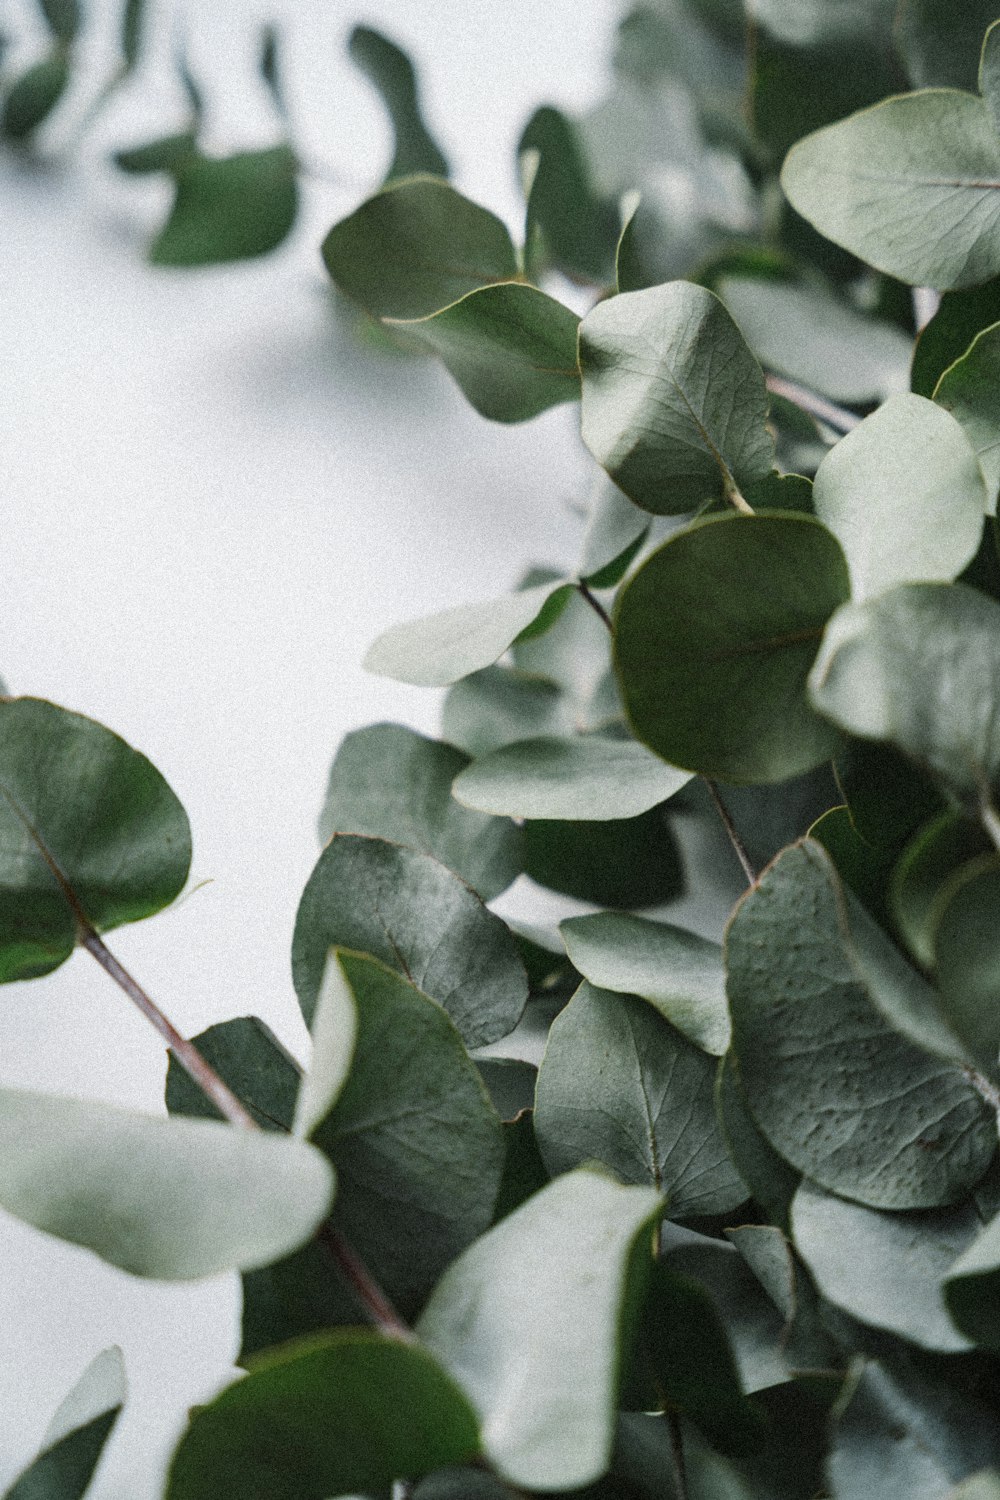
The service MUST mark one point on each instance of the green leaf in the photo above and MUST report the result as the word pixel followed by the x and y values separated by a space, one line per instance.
pixel 972 1285
pixel 511 348
pixel 132 29
pixel 408 911
pixel 524 1171
pixel 989 60
pixel 416 247
pixel 576 653
pixel 674 403
pixel 619 1085
pixel 229 208
pixel 885 1269
pixel 168 154
pixel 808 334
pixel 714 638
pixel 887 796
pixel 530 1321
pixel 390 70
pixel 941 44
pixel 160 1198
pixel 269 68
pixel 442 648
pixel 501 705
pixel 75 1438
pixel 862 868
pixel 337 1414
pixel 631 862
pixel 960 316
pixel 413 1135
pixel 334 1034
pixel 301 1294
pixel 904 496
pixel 767 1175
pixel 918 669
pixel 389 782
pixel 511 1084
pixel 62 18
pixel 86 825
pixel 967 950
pixel 969 389
pixel 836 1088
pixel 909 186
pixel 677 972
pixel 806 1344
pixel 33 96
pixel 921 878
pixel 583 778
pixel 578 229
pixel 616 529
pixel 250 1059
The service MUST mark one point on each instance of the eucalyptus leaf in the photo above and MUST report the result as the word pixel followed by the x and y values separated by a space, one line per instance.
pixel 941 44
pixel 510 347
pixel 989 58
pixel 619 1085
pixel 250 1059
pixel 74 1440
pixel 334 1034
pixel 908 186
pixel 972 1285
pixel 835 1087
pixel 714 638
pixel 921 877
pixel 33 96
pixel 542 1303
pixel 587 777
pixel 969 389
pixel 619 862
pixel 87 826
pixel 391 71
pixel 389 782
pixel 578 229
pixel 768 1177
pixel 408 911
pixel 167 154
pixel 63 19
pixel 159 1198
pixel 967 952
pixel 904 495
pixel 807 1346
pixel 340 1413
pixel 959 317
pixel 229 208
pixel 679 973
pixel 501 705
pixel 132 33
pixel 674 403
pixel 445 647
pixel 417 247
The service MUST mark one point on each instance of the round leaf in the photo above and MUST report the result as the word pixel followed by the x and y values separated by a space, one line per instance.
pixel 586 778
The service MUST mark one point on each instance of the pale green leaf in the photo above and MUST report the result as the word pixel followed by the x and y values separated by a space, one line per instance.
pixel 586 777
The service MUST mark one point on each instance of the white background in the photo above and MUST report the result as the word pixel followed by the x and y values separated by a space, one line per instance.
pixel 212 499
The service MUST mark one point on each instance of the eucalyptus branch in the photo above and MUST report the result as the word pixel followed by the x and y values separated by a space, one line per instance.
pixel 986 1090
pixel 817 406
pixel 595 604
pixel 730 827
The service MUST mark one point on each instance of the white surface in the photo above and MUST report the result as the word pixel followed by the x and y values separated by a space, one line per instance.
pixel 213 499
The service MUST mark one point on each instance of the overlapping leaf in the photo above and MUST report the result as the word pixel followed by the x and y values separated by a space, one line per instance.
pixel 74 1440
pixel 587 777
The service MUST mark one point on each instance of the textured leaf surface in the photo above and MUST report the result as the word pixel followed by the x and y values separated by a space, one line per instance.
pixel 588 777
pixel 229 208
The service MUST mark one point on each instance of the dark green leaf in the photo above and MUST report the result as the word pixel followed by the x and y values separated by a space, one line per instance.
pixel 714 638
pixel 337 1414
pixel 86 825
pixel 972 1285
pixel 408 911
pixel 674 403
pixel 767 1175
pixel 301 1294
pixel 250 1059
pixel 531 1321
pixel 390 70
pixel 633 862
pixel 132 38
pixel 63 19
pixel 524 1171
pixel 887 796
pixel 501 705
pixel 229 208
pixel 940 44
pixel 840 1092
pixel 583 778
pixel 619 1085
pixel 389 782
pixel 960 316
pixel 863 868
pixel 920 878
pixel 511 1084
pixel 75 1438
pixel 32 97
pixel 169 154
pixel 416 247
pixel 967 950
pixel 578 229
pixel 970 390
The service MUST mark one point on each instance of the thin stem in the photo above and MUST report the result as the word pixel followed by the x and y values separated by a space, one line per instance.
pixel 730 827
pixel 735 498
pixel 190 1059
pixel 991 823
pixel 595 605
pixel 376 1303
pixel 817 406
pixel 983 1087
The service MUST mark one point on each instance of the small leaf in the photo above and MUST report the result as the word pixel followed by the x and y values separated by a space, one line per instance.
pixel 443 648
pixel 160 1198
pixel 390 70
pixel 337 1414
pixel 33 96
pixel 583 778
pixel 838 1090
pixel 909 186
pixel 408 911
pixel 416 247
pixel 886 1269
pixel 677 972
pixel 960 316
pixel 941 46
pixel 389 782
pixel 75 1438
pixel 714 638
pixel 918 669
pixel 511 348
pixel 904 496
pixel 969 389
pixel 674 403
pixel 619 1085
pixel 99 833
pixel 539 1305
pixel 229 208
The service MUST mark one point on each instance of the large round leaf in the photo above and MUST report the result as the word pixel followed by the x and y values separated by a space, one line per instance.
pixel 87 826
pixel 714 638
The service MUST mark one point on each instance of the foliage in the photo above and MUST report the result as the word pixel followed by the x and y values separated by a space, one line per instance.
pixel 735 1232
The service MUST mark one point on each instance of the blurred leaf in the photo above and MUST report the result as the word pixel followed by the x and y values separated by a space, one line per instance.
pixel 334 1033
pixel 887 796
pixel 501 705
pixel 511 349
pixel 389 782
pixel 629 862
pixel 970 389
pixel 416 247
pixel 674 404
pixel 678 973
pixel 940 44
pixel 336 1414
pixel 921 877
pixel 620 1086
pixel 229 208
pixel 63 19
pixel 579 778
pixel 99 833
pixel 616 530
pixel 967 950
pixel 33 96
pixel 960 316
pixel 75 1438
pixel 543 1304
pixel 714 638
pixel 132 33
pixel 269 68
pixel 390 70
pixel 168 154
pixel 904 495
pixel 578 229
pixel 411 913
